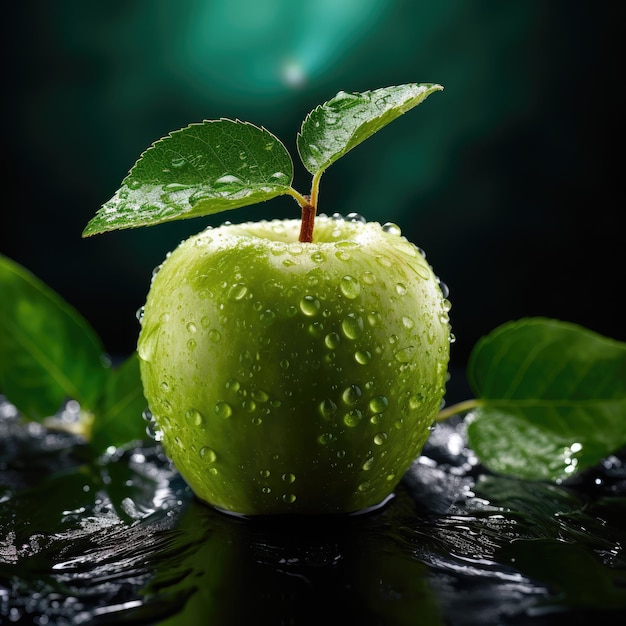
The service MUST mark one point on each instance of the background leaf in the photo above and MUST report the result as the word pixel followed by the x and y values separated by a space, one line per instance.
pixel 337 126
pixel 199 170
pixel 118 418
pixel 553 398
pixel 48 352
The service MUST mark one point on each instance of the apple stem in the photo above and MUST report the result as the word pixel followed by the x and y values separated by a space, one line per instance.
pixel 308 221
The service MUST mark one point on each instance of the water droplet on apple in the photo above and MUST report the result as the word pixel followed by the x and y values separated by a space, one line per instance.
pixel 379 404
pixel 233 385
pixel 208 454
pixel 352 326
pixel 349 287
pixel 373 318
pixel 191 344
pixel 265 473
pixel 327 408
pixel 362 357
pixel 401 289
pixel 316 329
pixel 193 416
pixel 284 364
pixel 214 335
pixel 140 313
pixel 237 291
pixel 356 217
pixel 310 305
pixel 352 418
pixel 318 256
pixel 332 340
pixel 408 322
pixel 392 229
pixel 267 317
pixel 191 327
pixel 379 438
pixel 367 465
pixel 288 477
pixel 325 438
pixel 404 355
pixel 368 278
pixel 289 498
pixel 223 410
pixel 351 395
pixel 259 395
pixel 364 486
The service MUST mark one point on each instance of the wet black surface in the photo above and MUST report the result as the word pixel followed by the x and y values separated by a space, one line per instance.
pixel 120 539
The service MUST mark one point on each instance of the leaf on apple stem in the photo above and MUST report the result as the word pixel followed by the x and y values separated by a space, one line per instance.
pixel 552 398
pixel 199 170
pixel 48 352
pixel 337 126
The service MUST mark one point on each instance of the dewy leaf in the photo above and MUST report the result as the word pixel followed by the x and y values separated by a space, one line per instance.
pixel 552 396
pixel 118 418
pixel 199 170
pixel 48 352
pixel 337 126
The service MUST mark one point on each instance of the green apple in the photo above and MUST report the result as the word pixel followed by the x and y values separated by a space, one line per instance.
pixel 291 377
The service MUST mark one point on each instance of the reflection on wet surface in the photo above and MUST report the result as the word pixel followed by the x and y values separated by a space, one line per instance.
pixel 120 539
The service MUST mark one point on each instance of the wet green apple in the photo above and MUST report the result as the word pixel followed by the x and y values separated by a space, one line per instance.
pixel 289 377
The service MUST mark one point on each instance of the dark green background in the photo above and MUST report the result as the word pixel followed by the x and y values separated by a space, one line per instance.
pixel 507 179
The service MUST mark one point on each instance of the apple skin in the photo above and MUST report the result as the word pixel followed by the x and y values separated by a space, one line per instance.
pixel 288 377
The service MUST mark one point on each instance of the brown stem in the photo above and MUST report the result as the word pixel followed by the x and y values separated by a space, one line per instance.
pixel 308 221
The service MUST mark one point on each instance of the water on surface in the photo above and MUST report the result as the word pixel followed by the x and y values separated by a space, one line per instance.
pixel 121 540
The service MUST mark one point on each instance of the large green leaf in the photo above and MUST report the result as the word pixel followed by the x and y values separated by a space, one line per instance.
pixel 48 352
pixel 199 170
pixel 552 398
pixel 118 419
pixel 337 126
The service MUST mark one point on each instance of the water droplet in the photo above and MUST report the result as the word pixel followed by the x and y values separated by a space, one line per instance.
pixel 310 305
pixel 284 364
pixel 415 402
pixel 362 357
pixel 392 229
pixel 140 313
pixel 316 329
pixel 401 289
pixel 368 463
pixel 332 341
pixel 383 261
pixel 404 355
pixel 178 163
pixel 233 385
pixel 267 318
pixel 227 180
pixel 191 345
pixel 379 438
pixel 349 287
pixel 325 438
pixel 351 395
pixel 352 326
pixel 355 217
pixel 365 486
pixel 289 498
pixel 368 278
pixel 318 256
pixel 379 404
pixel 327 408
pixel 344 100
pixel 237 291
pixel 408 322
pixel 265 473
pixel 205 321
pixel 249 406
pixel 288 477
pixel 215 335
pixel 223 410
pixel 191 327
pixel 259 395
pixel 352 418
pixel 208 454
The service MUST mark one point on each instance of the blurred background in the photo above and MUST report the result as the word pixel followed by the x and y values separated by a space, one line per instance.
pixel 507 179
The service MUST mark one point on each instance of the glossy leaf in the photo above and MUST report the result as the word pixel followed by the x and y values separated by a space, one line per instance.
pixel 199 170
pixel 48 352
pixel 552 396
pixel 118 418
pixel 337 126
